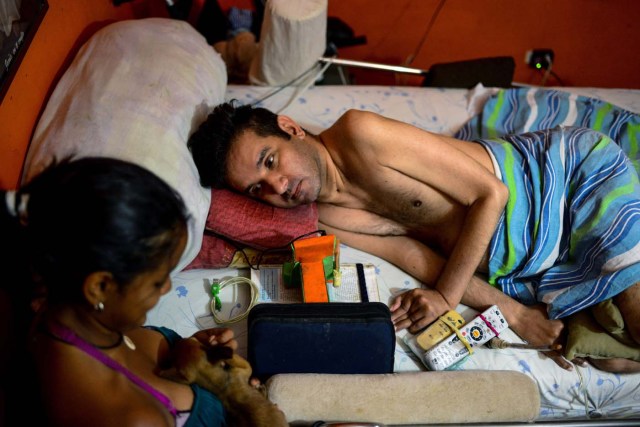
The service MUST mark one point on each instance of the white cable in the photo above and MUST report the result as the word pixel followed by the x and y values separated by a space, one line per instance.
pixel 280 88
pixel 298 92
pixel 232 281
pixel 432 21
pixel 585 393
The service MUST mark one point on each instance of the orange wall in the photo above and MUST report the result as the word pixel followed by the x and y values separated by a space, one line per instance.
pixel 65 26
pixel 595 41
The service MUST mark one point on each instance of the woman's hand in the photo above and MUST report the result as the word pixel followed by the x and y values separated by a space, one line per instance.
pixel 217 336
pixel 416 309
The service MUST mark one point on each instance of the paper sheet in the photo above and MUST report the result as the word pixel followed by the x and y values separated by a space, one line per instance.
pixel 272 289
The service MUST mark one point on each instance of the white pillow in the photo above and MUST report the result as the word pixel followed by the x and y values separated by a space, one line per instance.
pixel 135 91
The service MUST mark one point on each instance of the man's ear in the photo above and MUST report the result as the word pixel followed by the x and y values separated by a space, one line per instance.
pixel 97 286
pixel 290 126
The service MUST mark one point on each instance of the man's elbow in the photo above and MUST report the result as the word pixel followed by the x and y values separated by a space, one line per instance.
pixel 500 193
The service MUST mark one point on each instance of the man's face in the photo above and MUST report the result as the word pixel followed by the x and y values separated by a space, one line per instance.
pixel 283 173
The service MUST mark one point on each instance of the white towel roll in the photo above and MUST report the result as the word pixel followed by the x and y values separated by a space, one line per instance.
pixel 292 38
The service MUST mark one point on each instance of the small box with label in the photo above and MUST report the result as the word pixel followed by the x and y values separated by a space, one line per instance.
pixel 460 344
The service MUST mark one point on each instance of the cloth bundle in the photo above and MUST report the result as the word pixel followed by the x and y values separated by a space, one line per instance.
pixel 292 38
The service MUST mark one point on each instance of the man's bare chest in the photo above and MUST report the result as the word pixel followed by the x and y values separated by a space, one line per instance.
pixel 410 203
pixel 397 207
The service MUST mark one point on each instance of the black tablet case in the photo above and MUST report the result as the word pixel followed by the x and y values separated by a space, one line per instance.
pixel 333 338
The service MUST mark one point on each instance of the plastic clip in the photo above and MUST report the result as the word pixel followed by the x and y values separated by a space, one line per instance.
pixel 215 290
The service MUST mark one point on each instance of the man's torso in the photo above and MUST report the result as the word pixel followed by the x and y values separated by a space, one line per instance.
pixel 381 200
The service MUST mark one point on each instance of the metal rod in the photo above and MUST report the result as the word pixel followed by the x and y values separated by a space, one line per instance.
pixel 374 65
pixel 496 342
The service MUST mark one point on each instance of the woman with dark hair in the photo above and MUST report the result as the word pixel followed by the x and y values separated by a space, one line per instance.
pixel 87 250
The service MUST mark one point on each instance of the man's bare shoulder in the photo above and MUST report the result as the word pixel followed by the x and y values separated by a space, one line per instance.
pixel 356 127
pixel 358 120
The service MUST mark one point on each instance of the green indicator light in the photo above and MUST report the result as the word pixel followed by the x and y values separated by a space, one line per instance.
pixel 538 65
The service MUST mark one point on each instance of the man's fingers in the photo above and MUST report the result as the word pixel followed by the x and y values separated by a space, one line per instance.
pixel 400 308
pixel 559 360
pixel 580 361
pixel 410 311
pixel 418 325
pixel 398 315
pixel 404 324
pixel 395 304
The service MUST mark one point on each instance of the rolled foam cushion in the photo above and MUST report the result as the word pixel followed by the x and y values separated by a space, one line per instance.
pixel 135 91
pixel 447 397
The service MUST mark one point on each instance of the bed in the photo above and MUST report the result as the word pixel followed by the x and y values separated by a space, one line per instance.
pixel 166 113
pixel 584 394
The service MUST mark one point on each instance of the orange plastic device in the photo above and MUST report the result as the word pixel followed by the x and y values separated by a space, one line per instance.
pixel 319 259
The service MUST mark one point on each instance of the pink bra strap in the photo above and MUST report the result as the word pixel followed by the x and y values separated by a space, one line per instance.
pixel 70 337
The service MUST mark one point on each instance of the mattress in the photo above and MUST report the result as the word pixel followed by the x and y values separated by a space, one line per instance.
pixel 582 394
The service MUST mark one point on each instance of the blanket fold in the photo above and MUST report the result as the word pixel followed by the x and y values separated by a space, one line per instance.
pixel 569 234
pixel 521 110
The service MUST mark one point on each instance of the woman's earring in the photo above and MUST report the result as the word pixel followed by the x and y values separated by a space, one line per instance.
pixel 99 306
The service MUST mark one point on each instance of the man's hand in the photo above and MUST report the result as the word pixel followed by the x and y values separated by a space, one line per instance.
pixel 556 356
pixel 417 308
pixel 533 325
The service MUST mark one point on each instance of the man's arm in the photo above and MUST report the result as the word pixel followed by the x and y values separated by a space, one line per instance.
pixel 442 172
pixel 409 255
pixel 412 310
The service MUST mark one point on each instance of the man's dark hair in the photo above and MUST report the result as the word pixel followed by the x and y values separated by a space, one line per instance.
pixel 210 144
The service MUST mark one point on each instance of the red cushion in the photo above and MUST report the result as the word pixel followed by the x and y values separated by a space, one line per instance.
pixel 250 223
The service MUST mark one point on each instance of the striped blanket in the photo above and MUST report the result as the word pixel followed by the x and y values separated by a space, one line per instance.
pixel 529 109
pixel 570 233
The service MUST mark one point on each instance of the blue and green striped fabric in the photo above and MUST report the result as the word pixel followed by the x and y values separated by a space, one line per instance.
pixel 570 234
pixel 529 109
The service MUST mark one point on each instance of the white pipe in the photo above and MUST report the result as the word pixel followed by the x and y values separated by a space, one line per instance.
pixel 363 64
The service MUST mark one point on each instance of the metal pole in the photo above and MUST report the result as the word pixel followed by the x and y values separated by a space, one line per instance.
pixel 363 64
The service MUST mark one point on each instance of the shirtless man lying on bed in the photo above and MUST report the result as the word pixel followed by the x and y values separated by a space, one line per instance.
pixel 450 212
